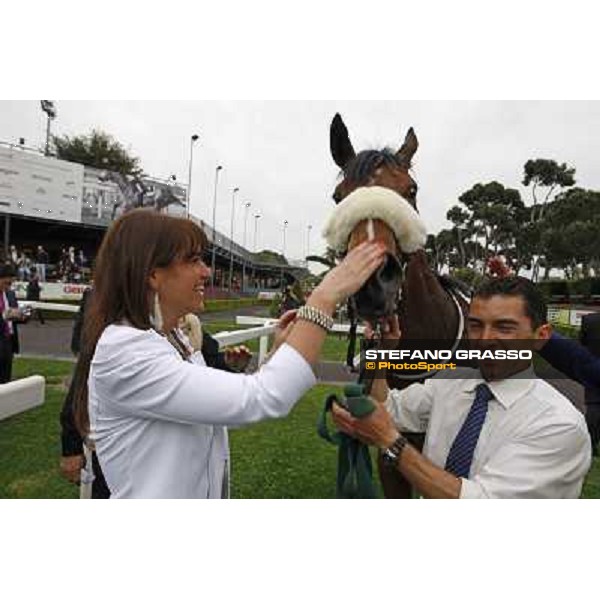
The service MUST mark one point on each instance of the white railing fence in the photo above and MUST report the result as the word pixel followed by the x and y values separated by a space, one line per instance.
pixel 264 327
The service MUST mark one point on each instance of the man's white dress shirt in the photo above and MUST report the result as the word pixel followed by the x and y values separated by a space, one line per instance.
pixel 534 443
pixel 159 422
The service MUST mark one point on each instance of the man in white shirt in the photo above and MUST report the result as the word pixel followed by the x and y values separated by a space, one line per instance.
pixel 493 432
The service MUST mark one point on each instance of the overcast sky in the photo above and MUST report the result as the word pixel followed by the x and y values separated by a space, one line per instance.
pixel 277 152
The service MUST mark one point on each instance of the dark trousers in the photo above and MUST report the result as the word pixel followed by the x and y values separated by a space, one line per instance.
pixel 100 490
pixel 6 359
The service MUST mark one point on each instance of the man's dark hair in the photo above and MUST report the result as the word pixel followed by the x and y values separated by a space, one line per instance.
pixel 535 305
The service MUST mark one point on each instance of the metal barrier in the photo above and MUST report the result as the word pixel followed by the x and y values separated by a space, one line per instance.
pixel 265 327
pixel 269 326
pixel 72 308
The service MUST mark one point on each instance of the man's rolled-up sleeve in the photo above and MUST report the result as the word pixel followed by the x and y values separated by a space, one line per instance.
pixel 410 408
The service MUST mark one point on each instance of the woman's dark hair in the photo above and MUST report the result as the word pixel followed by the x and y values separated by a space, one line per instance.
pixel 135 245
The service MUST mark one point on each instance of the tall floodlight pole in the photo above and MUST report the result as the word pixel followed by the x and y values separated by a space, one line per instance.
pixel 214 225
pixel 256 218
pixel 235 191
pixel 247 205
pixel 50 109
pixel 285 224
pixel 193 139
pixel 308 228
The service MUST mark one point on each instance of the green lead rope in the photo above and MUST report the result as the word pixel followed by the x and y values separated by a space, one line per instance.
pixel 355 471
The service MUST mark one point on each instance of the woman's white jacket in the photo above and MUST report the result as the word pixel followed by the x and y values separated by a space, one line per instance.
pixel 159 422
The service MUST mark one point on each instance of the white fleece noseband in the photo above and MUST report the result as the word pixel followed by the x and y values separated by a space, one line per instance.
pixel 375 202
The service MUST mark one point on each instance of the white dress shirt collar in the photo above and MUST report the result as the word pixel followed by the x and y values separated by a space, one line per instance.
pixel 507 391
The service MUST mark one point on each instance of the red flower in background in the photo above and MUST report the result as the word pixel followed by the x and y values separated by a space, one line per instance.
pixel 497 267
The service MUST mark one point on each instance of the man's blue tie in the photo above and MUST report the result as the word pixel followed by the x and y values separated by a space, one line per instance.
pixel 461 452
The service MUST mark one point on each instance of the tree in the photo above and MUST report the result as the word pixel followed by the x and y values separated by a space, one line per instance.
pixel 459 218
pixel 269 256
pixel 494 215
pixel 441 249
pixel 99 150
pixel 329 259
pixel 569 231
pixel 544 173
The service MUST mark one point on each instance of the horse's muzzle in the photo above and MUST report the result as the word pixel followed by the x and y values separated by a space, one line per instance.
pixel 378 298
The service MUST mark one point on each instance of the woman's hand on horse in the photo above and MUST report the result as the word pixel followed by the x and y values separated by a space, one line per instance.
pixel 351 274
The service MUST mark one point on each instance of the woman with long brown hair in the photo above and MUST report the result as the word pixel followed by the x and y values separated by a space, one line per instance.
pixel 156 414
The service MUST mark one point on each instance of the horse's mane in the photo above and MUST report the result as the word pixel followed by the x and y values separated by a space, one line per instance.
pixel 452 284
pixel 365 163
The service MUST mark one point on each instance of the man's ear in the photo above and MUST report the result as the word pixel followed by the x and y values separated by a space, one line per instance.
pixel 544 332
pixel 541 335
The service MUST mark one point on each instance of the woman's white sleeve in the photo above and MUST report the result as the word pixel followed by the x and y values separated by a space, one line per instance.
pixel 158 384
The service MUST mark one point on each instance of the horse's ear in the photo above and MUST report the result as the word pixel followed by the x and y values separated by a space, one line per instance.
pixel 339 142
pixel 411 143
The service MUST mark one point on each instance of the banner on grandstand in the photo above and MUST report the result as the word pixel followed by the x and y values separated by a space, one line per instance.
pixel 52 290
pixel 102 199
pixel 106 196
pixel 33 185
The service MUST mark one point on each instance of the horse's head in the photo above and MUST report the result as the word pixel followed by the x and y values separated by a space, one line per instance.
pixel 376 200
pixel 384 168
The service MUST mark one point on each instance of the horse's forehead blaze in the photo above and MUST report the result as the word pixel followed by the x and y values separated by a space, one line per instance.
pixel 398 180
pixel 382 233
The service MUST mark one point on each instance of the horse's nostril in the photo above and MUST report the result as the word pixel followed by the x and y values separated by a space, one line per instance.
pixel 390 269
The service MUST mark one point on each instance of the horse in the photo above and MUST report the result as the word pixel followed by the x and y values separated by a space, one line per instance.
pixel 137 193
pixel 166 196
pixel 429 306
pixel 132 191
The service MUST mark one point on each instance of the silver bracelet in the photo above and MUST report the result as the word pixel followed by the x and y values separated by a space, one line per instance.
pixel 315 315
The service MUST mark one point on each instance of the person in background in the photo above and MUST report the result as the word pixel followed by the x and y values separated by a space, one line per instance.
pixel 589 336
pixel 292 299
pixel 72 457
pixel 33 293
pixel 41 260
pixel 24 266
pixel 10 316
pixel 581 362
pixel 13 256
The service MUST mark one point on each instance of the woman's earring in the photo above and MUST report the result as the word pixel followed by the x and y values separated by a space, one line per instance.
pixel 156 318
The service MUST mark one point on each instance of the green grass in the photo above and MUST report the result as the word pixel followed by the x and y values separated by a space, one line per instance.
pixel 275 459
pixel 285 458
pixel 233 304
pixel 591 488
pixel 54 371
pixel 30 442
